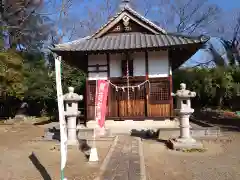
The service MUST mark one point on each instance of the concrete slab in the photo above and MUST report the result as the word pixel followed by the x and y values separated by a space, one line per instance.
pixel 125 127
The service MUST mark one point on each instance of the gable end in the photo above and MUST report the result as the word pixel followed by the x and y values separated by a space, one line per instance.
pixel 131 27
pixel 128 14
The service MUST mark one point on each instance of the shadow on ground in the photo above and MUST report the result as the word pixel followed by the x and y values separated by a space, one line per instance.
pixel 45 122
pixel 42 170
pixel 84 147
pixel 149 135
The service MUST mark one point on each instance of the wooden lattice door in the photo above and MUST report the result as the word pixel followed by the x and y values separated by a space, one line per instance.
pixel 159 98
pixel 134 105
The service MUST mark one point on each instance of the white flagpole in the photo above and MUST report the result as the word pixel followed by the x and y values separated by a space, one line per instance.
pixel 62 122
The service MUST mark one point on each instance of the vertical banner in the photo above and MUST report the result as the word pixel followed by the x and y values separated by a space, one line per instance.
pixel 62 122
pixel 101 102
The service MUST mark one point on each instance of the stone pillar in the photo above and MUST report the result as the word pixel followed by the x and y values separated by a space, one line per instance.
pixel 71 100
pixel 72 130
pixel 184 111
pixel 184 128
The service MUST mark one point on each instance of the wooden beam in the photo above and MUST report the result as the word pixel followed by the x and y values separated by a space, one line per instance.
pixel 98 65
pixel 95 71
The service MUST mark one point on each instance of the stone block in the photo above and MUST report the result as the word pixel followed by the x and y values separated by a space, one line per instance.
pixel 197 132
pixel 212 132
pixel 176 145
pixel 85 133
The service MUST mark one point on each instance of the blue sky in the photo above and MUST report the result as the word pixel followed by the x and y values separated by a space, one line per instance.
pixel 227 4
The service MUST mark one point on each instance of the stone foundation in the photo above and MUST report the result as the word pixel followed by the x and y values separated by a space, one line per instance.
pixel 118 127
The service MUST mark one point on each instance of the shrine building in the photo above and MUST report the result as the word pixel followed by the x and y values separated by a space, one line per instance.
pixel 137 57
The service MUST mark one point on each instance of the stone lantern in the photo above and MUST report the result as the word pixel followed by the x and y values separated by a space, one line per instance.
pixel 71 100
pixel 184 111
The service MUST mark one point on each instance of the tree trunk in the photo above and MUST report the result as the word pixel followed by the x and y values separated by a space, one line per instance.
pixel 219 96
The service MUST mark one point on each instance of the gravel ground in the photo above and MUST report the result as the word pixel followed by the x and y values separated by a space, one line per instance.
pixel 220 162
pixel 24 159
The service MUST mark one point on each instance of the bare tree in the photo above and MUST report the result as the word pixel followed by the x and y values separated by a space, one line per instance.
pixel 233 46
pixel 188 16
pixel 226 51
pixel 64 18
pixel 96 14
pixel 179 16
pixel 22 23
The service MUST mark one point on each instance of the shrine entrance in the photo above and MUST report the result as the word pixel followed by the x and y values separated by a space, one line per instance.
pixel 129 102
pixel 143 99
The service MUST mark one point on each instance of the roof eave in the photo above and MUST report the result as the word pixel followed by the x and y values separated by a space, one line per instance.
pixel 131 49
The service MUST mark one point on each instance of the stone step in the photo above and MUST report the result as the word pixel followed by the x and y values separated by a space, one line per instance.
pixel 88 134
pixel 195 132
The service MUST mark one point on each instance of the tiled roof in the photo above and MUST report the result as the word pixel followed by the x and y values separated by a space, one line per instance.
pixel 128 41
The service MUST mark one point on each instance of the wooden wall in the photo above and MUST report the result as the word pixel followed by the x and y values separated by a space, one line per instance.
pixel 151 101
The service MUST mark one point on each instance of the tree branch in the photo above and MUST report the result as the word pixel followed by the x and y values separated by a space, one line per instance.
pixel 184 20
pixel 200 20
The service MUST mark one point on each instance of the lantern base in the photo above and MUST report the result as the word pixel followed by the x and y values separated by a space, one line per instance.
pixel 185 144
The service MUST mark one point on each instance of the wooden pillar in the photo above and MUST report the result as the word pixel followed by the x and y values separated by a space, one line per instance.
pixel 170 86
pixel 147 78
pixel 109 90
pixel 86 94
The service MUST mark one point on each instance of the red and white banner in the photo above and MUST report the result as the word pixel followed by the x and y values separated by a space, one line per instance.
pixel 101 102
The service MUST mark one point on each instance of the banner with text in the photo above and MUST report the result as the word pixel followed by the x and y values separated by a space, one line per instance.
pixel 101 102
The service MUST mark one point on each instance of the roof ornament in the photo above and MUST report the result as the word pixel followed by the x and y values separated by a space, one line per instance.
pixel 124 4
pixel 126 21
pixel 204 38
